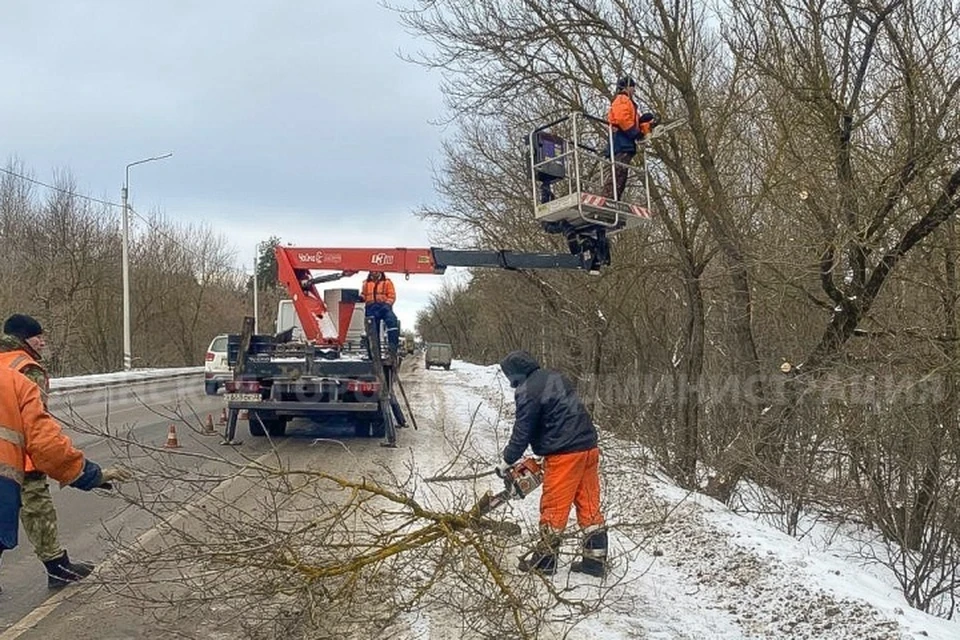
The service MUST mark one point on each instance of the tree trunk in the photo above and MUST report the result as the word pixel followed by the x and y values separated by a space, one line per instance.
pixel 687 443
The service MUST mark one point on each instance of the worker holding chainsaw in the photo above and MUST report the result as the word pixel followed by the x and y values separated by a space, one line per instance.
pixel 552 420
pixel 628 126
pixel 379 295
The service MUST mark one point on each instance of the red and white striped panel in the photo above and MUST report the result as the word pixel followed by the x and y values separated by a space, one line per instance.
pixel 600 201
pixel 592 200
pixel 640 212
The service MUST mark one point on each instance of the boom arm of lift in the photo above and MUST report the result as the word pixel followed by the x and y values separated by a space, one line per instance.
pixel 295 264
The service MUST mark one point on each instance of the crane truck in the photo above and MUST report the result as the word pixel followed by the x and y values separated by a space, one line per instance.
pixel 337 369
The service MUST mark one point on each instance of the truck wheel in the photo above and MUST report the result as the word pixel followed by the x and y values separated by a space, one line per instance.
pixel 276 427
pixel 364 428
pixel 256 429
pixel 361 428
pixel 379 428
pixel 211 387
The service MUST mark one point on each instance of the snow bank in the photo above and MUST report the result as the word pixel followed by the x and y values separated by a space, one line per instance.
pixel 684 565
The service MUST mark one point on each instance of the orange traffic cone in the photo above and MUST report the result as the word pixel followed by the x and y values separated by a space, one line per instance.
pixel 172 442
pixel 223 416
pixel 208 429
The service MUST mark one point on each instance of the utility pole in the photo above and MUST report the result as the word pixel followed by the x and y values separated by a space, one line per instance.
pixel 256 293
pixel 125 258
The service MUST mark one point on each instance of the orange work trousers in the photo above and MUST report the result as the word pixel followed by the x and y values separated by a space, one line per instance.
pixel 571 479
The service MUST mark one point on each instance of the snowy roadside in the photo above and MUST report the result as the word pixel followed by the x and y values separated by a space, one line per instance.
pixel 685 565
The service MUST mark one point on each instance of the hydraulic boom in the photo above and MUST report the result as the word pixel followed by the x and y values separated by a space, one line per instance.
pixel 294 266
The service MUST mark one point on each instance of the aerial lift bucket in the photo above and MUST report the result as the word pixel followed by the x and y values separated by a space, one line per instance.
pixel 574 178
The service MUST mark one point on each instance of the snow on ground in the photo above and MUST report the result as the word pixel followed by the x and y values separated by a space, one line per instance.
pixel 684 565
pixel 119 377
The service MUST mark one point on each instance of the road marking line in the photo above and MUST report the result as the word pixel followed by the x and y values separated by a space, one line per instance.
pixel 35 617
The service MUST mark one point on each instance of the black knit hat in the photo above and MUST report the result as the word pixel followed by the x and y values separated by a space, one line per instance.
pixel 624 82
pixel 22 326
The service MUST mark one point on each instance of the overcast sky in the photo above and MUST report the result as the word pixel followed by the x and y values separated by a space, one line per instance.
pixel 288 118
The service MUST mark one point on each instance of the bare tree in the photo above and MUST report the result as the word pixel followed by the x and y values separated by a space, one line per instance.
pixel 61 263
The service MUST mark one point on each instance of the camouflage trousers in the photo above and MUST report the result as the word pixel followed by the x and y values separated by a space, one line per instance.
pixel 39 518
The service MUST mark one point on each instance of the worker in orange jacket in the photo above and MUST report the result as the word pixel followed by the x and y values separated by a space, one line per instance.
pixel 628 126
pixel 21 348
pixel 379 295
pixel 27 429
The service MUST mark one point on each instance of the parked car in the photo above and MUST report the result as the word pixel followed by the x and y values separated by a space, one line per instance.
pixel 438 354
pixel 215 368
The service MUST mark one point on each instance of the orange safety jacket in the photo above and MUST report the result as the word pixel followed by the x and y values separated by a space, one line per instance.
pixel 25 426
pixel 379 291
pixel 20 361
pixel 627 124
pixel 623 113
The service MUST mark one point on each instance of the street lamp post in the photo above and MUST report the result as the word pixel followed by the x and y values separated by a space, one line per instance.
pixel 125 258
pixel 256 288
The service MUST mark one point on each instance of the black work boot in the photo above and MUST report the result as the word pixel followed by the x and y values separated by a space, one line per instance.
pixel 537 561
pixel 543 557
pixel 594 560
pixel 61 572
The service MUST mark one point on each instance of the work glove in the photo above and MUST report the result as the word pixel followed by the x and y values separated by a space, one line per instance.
pixel 113 474
pixel 502 468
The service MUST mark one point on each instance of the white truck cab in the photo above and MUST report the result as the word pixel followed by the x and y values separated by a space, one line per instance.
pixel 287 317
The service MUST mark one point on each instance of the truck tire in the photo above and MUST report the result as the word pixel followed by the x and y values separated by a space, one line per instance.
pixel 276 427
pixel 366 427
pixel 211 387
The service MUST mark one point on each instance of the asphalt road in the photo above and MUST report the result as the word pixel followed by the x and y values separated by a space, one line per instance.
pixel 144 413
pixel 88 521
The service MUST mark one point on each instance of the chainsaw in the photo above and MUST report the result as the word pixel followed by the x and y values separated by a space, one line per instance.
pixel 665 127
pixel 520 480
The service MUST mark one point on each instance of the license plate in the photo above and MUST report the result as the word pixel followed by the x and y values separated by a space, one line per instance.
pixel 242 397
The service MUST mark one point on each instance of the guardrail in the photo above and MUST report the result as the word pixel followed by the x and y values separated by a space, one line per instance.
pixel 62 386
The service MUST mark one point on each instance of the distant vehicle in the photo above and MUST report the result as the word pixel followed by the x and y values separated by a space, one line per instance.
pixel 438 354
pixel 409 345
pixel 215 368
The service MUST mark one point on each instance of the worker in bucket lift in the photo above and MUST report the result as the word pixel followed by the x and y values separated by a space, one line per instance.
pixel 552 420
pixel 628 127
pixel 379 295
pixel 26 429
